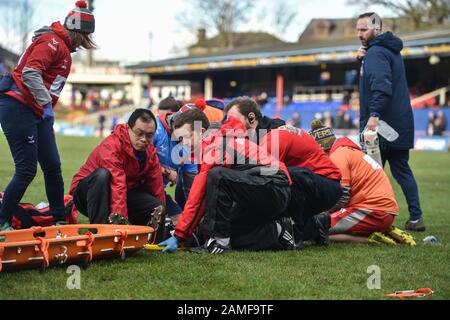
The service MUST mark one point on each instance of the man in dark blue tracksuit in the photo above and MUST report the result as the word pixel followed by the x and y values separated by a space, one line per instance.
pixel 384 95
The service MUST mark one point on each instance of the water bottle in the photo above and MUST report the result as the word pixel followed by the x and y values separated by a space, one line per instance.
pixel 430 240
pixel 372 145
pixel 386 131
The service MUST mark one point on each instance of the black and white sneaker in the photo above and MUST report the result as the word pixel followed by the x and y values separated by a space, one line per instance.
pixel 286 237
pixel 417 225
pixel 211 246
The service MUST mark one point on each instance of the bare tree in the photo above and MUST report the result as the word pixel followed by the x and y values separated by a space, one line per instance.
pixel 16 22
pixel 26 13
pixel 283 16
pixel 221 16
pixel 419 11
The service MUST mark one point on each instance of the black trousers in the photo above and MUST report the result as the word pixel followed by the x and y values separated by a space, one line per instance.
pixel 244 208
pixel 92 199
pixel 398 161
pixel 311 195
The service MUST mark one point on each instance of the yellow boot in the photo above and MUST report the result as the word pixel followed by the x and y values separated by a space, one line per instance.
pixel 380 238
pixel 400 236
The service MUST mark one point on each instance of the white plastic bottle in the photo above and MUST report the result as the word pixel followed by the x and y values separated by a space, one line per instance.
pixel 386 131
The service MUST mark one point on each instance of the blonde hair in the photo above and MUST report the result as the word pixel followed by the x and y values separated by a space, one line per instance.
pixel 82 40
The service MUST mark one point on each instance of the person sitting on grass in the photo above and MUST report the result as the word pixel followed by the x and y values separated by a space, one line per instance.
pixel 367 209
pixel 176 170
pixel 121 181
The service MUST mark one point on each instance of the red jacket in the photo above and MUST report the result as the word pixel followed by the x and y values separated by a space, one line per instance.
pixel 49 54
pixel 237 146
pixel 116 154
pixel 296 148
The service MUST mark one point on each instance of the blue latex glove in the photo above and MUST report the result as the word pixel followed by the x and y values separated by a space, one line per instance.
pixel 48 112
pixel 171 244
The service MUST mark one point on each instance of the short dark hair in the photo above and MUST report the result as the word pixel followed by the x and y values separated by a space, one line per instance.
pixel 143 114
pixel 170 103
pixel 370 14
pixel 189 117
pixel 245 106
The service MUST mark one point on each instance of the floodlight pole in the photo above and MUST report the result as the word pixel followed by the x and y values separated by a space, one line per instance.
pixel 90 53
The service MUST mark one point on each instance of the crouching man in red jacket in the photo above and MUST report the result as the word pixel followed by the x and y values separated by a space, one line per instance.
pixel 240 194
pixel 315 178
pixel 121 181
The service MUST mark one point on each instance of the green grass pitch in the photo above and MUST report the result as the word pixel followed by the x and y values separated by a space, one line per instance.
pixel 336 272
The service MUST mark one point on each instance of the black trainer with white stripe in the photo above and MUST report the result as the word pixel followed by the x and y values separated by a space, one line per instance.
pixel 211 246
pixel 286 238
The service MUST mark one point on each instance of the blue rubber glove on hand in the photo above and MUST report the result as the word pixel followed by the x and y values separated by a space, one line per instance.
pixel 48 112
pixel 171 244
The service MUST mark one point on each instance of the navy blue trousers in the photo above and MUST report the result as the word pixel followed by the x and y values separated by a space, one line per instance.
pixel 31 140
pixel 398 162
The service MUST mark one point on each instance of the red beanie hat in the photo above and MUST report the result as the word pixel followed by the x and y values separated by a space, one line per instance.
pixel 80 19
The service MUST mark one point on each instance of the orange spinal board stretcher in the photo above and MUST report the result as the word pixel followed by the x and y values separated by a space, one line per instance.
pixel 41 247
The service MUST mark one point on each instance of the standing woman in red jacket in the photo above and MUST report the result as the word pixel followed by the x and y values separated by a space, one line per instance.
pixel 27 99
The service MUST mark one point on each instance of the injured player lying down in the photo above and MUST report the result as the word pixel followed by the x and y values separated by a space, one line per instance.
pixel 368 206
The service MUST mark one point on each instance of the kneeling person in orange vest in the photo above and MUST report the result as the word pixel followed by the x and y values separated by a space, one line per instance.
pixel 368 206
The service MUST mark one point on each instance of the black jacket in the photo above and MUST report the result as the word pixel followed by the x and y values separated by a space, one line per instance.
pixel 384 90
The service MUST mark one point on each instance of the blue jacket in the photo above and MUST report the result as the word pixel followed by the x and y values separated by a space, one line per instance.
pixel 384 90
pixel 170 152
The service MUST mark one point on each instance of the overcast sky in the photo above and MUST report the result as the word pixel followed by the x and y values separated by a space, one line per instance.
pixel 123 27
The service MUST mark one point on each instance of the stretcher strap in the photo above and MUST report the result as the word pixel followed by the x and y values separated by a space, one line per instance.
pixel 89 243
pixel 123 237
pixel 43 248
pixel 2 249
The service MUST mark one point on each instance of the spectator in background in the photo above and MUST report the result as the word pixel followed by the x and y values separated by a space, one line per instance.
pixel 169 104
pixel 328 119
pixel 286 100
pixel 354 101
pixel 150 103
pixel 440 124
pixel 348 122
pixel 114 122
pixel 101 122
pixel 430 124
pixel 295 120
pixel 340 119
pixel 347 97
